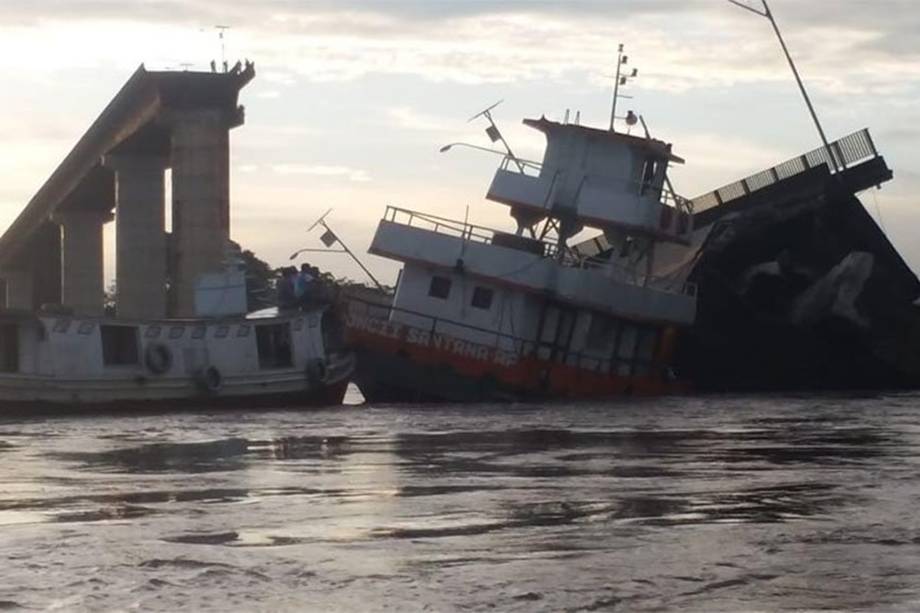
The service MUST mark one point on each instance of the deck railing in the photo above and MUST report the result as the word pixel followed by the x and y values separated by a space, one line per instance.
pixel 492 341
pixel 571 257
pixel 847 152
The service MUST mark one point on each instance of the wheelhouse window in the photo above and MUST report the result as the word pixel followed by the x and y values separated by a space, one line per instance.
pixel 482 298
pixel 649 173
pixel 601 333
pixel 119 345
pixel 645 350
pixel 273 342
pixel 439 288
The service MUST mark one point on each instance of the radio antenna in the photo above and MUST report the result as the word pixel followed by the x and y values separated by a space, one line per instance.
pixel 223 50
pixel 495 134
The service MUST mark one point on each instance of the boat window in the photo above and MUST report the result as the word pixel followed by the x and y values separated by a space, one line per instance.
pixel 628 338
pixel 176 332
pixel 119 345
pixel 152 332
pixel 199 332
pixel 9 348
pixel 601 333
pixel 482 298
pixel 647 343
pixel 649 172
pixel 222 332
pixel 274 345
pixel 645 352
pixel 626 350
pixel 440 287
pixel 86 327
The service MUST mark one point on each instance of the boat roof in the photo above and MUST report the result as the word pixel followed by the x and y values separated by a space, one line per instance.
pixel 652 145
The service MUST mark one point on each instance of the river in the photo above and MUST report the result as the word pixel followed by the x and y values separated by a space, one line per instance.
pixel 705 503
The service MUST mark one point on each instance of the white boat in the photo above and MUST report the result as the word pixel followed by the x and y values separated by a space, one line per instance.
pixel 481 313
pixel 269 358
pixel 178 331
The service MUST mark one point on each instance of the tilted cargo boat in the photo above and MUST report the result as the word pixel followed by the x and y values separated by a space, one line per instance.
pixel 483 314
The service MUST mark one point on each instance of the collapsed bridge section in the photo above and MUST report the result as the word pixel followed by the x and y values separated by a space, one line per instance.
pixel 53 251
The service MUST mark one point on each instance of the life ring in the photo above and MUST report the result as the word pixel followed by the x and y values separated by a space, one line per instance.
pixel 158 358
pixel 315 371
pixel 210 380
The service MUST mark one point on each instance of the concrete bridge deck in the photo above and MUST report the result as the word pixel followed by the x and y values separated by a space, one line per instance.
pixel 52 252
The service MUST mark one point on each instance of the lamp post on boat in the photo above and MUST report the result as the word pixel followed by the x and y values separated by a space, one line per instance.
pixel 521 162
pixel 766 12
pixel 450 146
pixel 329 238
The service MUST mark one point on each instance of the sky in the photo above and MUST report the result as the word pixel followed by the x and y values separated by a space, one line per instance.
pixel 354 98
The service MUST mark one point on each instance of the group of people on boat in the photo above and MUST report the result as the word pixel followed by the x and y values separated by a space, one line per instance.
pixel 302 289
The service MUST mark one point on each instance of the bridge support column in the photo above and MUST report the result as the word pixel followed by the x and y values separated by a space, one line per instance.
pixel 19 289
pixel 140 235
pixel 200 151
pixel 82 280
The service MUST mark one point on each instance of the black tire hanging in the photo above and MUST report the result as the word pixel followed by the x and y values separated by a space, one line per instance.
pixel 158 358
pixel 210 380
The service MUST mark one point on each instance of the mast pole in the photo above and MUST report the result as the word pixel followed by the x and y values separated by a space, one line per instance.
pixel 616 88
pixel 798 79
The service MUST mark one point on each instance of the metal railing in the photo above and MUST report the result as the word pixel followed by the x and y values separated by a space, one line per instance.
pixel 520 165
pixel 667 197
pixel 513 345
pixel 440 225
pixel 847 152
pixel 572 257
pixel 452 227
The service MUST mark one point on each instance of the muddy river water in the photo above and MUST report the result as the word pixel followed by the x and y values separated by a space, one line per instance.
pixel 714 503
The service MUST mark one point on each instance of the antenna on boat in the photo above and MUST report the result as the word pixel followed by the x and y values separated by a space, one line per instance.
pixel 329 238
pixel 620 79
pixel 766 12
pixel 221 30
pixel 495 134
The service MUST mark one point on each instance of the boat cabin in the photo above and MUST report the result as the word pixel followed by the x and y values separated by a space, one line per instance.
pixel 604 179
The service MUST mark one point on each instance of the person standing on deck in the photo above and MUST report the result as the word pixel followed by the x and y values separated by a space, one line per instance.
pixel 303 285
pixel 286 296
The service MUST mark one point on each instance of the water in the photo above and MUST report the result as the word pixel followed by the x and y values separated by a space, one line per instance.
pixel 726 503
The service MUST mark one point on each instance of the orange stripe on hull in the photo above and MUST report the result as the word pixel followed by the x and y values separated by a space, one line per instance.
pixel 527 375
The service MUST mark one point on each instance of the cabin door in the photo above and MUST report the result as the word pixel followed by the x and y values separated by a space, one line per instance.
pixel 555 333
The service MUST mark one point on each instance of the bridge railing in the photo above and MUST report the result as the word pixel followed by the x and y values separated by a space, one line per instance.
pixel 847 152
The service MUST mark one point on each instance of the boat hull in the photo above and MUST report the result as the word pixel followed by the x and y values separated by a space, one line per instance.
pixel 276 360
pixel 391 370
pixel 331 395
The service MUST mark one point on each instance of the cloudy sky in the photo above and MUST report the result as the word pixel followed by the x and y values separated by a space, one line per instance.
pixel 353 98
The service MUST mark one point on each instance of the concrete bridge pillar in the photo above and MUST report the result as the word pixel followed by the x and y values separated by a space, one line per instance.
pixel 140 235
pixel 82 281
pixel 19 289
pixel 200 151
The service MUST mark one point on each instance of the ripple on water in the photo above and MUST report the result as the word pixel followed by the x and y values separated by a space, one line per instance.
pixel 700 504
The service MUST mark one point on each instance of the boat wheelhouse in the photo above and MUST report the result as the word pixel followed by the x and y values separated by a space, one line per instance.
pixel 481 313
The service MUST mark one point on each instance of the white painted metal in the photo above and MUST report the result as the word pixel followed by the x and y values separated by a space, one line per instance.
pixel 603 179
pixel 604 288
pixel 60 360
